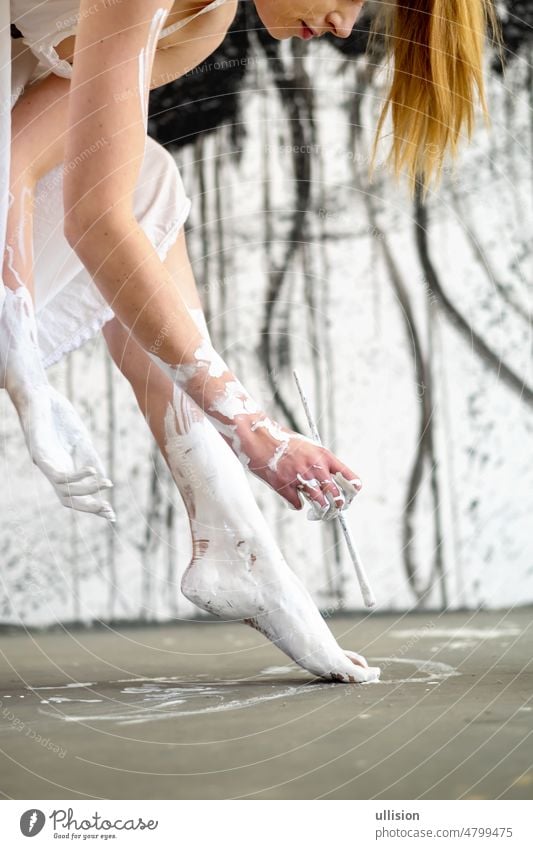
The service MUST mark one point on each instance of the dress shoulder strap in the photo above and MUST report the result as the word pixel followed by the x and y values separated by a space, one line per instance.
pixel 179 24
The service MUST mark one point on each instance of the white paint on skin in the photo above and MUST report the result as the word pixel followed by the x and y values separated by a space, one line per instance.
pixel 207 358
pixel 312 483
pixel 11 265
pixel 277 433
pixel 145 61
pixel 143 96
pixel 238 571
pixel 52 429
pixel 234 401
pixel 319 511
pixel 230 408
pixel 230 432
pixel 274 429
pixel 231 398
pixel 26 200
pixel 280 451
pixel 16 252
pixel 347 490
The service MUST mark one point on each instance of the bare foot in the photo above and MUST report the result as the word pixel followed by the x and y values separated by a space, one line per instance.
pixel 237 570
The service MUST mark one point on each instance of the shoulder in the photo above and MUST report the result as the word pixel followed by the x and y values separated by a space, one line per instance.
pixel 205 21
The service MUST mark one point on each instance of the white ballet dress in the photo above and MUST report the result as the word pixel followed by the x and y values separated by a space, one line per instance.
pixel 68 305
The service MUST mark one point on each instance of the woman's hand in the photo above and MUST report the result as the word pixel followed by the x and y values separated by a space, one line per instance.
pixel 296 467
pixel 59 443
pixel 60 446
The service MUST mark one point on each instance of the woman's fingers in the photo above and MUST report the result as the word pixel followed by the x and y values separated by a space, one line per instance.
pixel 328 492
pixel 61 477
pixel 323 496
pixel 311 489
pixel 88 504
pixel 76 489
pixel 326 484
pixel 88 486
pixel 349 482
pixel 336 498
pixel 295 498
pixel 88 456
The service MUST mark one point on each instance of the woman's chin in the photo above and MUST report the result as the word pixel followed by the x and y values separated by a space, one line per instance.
pixel 281 33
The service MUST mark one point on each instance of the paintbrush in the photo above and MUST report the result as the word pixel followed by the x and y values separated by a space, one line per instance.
pixel 366 592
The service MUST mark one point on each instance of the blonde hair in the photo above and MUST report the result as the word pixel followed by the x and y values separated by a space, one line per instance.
pixel 436 48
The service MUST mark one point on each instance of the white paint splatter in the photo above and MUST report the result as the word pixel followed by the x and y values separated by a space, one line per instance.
pixel 74 685
pixel 54 433
pixel 458 633
pixel 433 670
pixel 145 62
pixel 61 699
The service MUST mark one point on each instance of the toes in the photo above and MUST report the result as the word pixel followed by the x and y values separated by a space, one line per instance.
pixel 356 658
pixel 373 673
pixel 364 676
pixel 359 673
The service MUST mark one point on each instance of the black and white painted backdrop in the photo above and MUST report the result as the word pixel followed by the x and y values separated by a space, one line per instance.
pixel 410 324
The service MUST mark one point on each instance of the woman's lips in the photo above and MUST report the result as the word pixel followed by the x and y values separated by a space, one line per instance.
pixel 306 32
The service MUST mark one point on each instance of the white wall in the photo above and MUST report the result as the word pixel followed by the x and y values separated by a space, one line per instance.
pixel 59 566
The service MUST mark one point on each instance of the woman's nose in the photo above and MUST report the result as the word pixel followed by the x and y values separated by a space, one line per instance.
pixel 343 23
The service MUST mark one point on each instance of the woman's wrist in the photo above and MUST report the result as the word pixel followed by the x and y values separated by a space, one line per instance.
pixel 21 368
pixel 208 380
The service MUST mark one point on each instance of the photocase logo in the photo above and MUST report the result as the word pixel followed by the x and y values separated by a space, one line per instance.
pixel 31 822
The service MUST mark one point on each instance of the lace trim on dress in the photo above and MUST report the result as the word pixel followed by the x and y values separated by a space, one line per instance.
pixel 179 24
pixel 60 318
pixel 47 54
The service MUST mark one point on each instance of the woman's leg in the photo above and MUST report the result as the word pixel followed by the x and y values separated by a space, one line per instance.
pixel 237 570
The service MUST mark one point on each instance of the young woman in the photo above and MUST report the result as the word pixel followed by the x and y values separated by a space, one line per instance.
pixel 94 240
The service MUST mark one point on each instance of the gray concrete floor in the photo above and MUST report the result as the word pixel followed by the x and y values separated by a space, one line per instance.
pixel 211 710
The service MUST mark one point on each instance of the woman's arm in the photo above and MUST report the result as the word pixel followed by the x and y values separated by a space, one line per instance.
pixel 113 57
pixel 57 440
pixel 107 115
